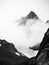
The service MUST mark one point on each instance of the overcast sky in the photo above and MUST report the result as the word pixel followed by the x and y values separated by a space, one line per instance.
pixel 14 9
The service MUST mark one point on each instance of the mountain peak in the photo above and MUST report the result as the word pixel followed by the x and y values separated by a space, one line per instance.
pixel 32 15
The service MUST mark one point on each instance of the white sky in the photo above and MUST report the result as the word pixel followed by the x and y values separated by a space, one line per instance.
pixel 12 10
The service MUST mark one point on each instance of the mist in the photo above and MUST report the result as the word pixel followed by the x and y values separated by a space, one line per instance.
pixel 11 12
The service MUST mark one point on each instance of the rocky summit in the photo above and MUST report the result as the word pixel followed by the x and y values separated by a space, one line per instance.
pixel 32 15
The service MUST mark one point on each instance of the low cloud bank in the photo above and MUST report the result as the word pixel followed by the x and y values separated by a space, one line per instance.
pixel 23 36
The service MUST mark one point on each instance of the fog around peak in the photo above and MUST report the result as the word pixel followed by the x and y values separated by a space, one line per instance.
pixel 23 32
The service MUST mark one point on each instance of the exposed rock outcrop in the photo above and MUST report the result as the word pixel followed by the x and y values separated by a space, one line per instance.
pixel 8 54
pixel 32 15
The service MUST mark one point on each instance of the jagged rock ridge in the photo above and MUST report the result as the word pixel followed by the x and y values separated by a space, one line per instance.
pixel 8 55
pixel 32 15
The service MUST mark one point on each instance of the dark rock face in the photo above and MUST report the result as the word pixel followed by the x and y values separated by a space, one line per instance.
pixel 47 21
pixel 9 46
pixel 42 58
pixel 7 54
pixel 36 47
pixel 32 15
